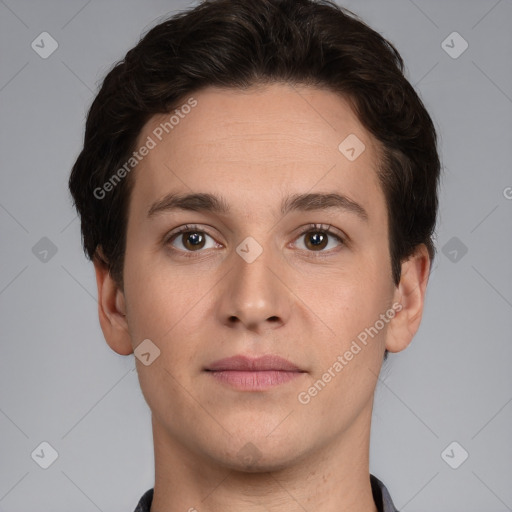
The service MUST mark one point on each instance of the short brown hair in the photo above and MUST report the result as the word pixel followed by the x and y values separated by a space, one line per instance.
pixel 236 44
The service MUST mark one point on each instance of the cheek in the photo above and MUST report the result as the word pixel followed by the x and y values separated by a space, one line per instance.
pixel 349 358
pixel 349 300
pixel 166 305
pixel 162 307
pixel 158 295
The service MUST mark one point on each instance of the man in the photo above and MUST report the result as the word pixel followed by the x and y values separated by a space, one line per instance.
pixel 258 193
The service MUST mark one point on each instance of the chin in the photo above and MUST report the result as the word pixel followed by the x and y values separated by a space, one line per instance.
pixel 260 456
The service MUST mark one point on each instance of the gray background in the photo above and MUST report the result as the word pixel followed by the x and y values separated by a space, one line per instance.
pixel 59 381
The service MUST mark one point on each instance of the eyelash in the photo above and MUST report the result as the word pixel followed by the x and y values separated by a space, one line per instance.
pixel 322 228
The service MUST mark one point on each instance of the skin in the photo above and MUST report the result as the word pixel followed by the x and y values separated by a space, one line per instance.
pixel 255 147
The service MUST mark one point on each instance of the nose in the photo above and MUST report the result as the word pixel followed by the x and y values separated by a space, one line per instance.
pixel 253 297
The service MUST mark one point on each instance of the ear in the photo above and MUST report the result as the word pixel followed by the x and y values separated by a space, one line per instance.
pixel 410 293
pixel 111 308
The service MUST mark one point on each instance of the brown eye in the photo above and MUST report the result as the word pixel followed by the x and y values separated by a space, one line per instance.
pixel 189 239
pixel 316 240
pixel 192 240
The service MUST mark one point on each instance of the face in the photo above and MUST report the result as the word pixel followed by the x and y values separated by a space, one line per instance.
pixel 285 253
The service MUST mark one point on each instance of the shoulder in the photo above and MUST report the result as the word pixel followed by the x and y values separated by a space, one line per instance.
pixel 381 496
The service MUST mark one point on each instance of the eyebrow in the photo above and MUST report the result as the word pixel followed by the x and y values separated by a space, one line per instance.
pixel 206 202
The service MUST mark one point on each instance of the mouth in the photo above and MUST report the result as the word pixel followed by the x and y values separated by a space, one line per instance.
pixel 253 374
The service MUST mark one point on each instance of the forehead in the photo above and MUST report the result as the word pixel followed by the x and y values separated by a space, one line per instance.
pixel 259 140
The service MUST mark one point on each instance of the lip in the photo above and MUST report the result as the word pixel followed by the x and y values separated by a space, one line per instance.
pixel 253 374
pixel 256 364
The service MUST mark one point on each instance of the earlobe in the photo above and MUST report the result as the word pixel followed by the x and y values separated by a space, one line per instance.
pixel 410 294
pixel 111 308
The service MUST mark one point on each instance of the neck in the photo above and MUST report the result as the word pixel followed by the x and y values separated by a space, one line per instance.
pixel 333 478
